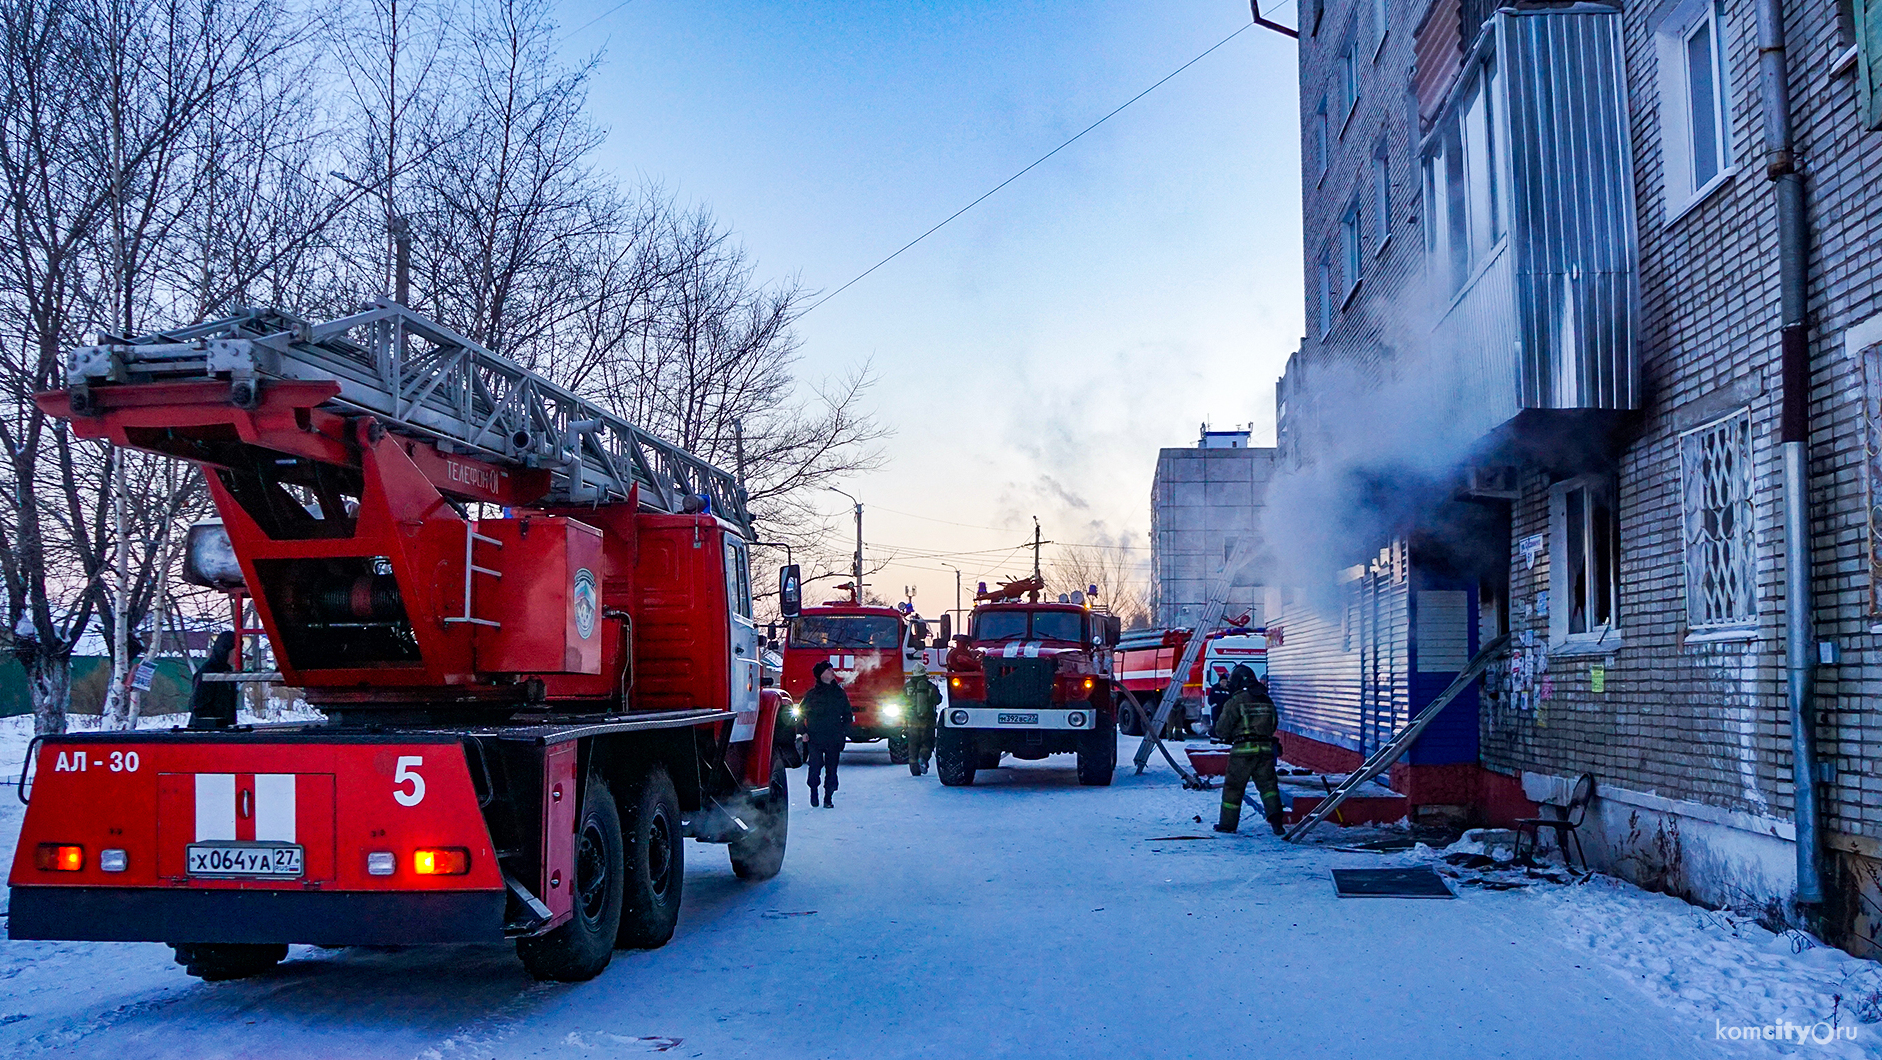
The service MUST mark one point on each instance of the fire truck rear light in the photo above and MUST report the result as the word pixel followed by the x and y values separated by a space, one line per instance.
pixel 444 861
pixel 60 857
pixel 381 863
pixel 113 861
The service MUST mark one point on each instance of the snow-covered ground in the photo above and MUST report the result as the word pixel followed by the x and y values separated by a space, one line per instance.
pixel 1023 917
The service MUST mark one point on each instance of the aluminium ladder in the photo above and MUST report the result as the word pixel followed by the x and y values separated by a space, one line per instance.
pixel 1211 616
pixel 1382 759
pixel 424 380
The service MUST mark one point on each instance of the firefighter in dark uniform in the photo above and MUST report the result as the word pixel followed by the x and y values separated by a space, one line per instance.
pixel 923 699
pixel 1246 723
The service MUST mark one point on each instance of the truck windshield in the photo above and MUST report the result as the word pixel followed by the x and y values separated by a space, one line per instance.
pixel 1058 625
pixel 846 631
pixel 1000 625
pixel 1029 625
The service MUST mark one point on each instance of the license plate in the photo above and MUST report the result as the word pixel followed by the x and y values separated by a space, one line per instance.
pixel 1019 719
pixel 245 859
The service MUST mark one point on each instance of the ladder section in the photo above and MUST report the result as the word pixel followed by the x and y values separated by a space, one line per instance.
pixel 471 540
pixel 1383 758
pixel 1206 623
pixel 422 379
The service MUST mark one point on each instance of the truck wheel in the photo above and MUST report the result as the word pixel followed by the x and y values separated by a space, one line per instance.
pixel 1127 720
pixel 759 855
pixel 216 962
pixel 1097 758
pixel 898 750
pixel 990 759
pixel 954 757
pixel 583 945
pixel 656 862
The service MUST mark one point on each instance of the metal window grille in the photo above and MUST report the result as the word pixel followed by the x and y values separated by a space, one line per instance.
pixel 1721 577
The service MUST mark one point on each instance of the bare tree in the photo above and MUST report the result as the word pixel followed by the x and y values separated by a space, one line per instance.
pixel 1123 583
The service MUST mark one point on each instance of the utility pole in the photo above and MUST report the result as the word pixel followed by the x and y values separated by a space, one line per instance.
pixel 957 590
pixel 1035 546
pixel 856 570
pixel 401 231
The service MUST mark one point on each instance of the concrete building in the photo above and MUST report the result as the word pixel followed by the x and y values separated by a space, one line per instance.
pixel 1547 292
pixel 1203 502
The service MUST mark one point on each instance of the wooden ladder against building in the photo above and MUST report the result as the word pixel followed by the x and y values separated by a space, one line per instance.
pixel 1382 759
pixel 1206 623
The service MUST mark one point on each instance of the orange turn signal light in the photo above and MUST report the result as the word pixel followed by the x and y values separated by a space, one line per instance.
pixel 954 682
pixel 60 857
pixel 1087 684
pixel 441 861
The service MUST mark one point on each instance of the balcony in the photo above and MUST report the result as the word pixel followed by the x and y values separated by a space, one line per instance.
pixel 1530 223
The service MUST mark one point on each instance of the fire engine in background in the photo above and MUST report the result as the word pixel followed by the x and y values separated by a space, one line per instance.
pixel 528 622
pixel 873 650
pixel 1146 660
pixel 1034 679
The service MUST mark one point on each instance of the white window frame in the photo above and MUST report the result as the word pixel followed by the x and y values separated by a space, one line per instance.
pixel 1464 167
pixel 1352 251
pixel 1381 197
pixel 1323 140
pixel 1678 152
pixel 1347 69
pixel 1326 296
pixel 1380 26
pixel 1700 542
pixel 1598 638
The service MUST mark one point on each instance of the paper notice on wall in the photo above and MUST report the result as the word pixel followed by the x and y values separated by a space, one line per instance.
pixel 1531 547
pixel 1597 679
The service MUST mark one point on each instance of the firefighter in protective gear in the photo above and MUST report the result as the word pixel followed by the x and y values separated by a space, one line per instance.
pixel 924 699
pixel 1246 723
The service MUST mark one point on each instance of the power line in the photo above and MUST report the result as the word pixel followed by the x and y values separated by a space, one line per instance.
pixel 1025 171
pixel 594 20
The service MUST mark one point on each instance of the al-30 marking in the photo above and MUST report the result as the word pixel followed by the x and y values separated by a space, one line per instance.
pixel 77 762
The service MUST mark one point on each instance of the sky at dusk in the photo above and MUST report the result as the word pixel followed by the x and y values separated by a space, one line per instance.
pixel 1033 355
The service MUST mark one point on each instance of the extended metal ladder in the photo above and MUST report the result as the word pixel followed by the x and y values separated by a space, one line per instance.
pixel 1211 616
pixel 422 379
pixel 1382 759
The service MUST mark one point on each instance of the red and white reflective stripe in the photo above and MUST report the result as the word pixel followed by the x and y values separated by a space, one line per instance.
pixel 1132 675
pixel 245 806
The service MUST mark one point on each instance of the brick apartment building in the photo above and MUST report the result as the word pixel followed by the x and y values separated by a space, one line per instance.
pixel 1547 301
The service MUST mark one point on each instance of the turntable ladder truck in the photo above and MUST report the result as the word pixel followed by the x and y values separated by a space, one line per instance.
pixel 527 622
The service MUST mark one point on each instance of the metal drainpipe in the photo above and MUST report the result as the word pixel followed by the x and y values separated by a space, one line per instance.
pixel 1794 436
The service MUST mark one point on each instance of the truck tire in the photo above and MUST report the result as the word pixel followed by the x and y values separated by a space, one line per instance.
pixel 759 855
pixel 216 962
pixel 898 750
pixel 1127 720
pixel 656 862
pixel 990 759
pixel 954 758
pixel 1097 758
pixel 583 945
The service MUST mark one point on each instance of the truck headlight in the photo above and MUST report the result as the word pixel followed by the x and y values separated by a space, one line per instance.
pixel 958 717
pixel 797 713
pixel 1076 719
pixel 891 711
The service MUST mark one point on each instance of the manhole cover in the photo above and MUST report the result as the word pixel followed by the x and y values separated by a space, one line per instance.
pixel 1420 882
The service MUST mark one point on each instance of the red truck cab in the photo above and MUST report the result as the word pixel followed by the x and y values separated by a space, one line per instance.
pixel 872 650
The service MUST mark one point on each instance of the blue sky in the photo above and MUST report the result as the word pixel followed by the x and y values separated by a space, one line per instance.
pixel 1034 354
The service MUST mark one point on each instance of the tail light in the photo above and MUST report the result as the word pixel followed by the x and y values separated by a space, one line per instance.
pixel 59 857
pixel 441 861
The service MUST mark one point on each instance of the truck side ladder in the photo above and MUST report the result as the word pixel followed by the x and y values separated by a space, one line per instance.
pixel 423 380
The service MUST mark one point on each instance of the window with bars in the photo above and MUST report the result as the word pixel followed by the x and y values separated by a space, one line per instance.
pixel 1721 572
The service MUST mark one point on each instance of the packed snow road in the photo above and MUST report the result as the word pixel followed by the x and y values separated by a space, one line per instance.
pixel 1023 917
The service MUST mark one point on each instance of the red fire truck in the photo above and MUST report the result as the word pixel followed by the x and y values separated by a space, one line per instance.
pixel 1035 679
pixel 1146 662
pixel 527 621
pixel 873 650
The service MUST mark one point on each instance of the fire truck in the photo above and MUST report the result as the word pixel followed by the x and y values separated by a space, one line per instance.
pixel 873 650
pixel 1034 679
pixel 528 623
pixel 1146 662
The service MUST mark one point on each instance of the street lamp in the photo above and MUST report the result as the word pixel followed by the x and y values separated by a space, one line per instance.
pixel 856 571
pixel 401 231
pixel 957 590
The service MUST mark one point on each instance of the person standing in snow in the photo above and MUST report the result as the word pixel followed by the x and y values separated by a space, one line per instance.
pixel 923 699
pixel 1247 723
pixel 827 720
